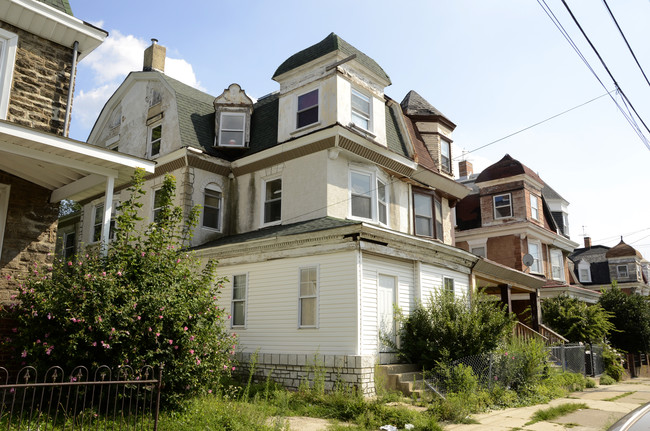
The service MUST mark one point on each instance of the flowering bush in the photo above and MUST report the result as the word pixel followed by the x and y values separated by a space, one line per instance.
pixel 520 364
pixel 149 301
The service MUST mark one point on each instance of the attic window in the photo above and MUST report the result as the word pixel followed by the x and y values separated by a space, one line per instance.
pixel 360 110
pixel 232 129
pixel 445 155
pixel 502 206
pixel 307 109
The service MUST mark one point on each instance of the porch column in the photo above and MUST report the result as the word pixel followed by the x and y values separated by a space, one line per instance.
pixel 108 209
pixel 506 296
pixel 535 310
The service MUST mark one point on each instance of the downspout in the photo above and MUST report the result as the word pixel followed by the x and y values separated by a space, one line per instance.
pixel 73 75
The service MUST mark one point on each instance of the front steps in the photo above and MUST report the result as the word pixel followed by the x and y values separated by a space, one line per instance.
pixel 406 378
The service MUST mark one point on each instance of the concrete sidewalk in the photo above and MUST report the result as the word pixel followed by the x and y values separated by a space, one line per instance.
pixel 600 415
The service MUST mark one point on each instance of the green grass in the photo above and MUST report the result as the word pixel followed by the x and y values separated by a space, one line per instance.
pixel 618 397
pixel 556 412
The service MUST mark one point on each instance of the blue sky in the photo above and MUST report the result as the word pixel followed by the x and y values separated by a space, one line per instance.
pixel 493 68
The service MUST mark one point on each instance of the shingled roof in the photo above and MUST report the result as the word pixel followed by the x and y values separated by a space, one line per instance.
pixel 504 168
pixel 62 5
pixel 623 250
pixel 330 44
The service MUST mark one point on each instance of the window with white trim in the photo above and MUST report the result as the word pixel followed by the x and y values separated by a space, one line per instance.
pixel 157 204
pixel 232 129
pixel 308 297
pixel 557 265
pixel 238 303
pixel 8 46
pixel 621 271
pixel 4 207
pixel 98 221
pixel 307 109
pixel 368 197
pixel 502 205
pixel 479 251
pixel 155 139
pixel 360 110
pixel 448 284
pixel 445 156
pixel 534 210
pixel 535 250
pixel 212 201
pixel 584 271
pixel 272 212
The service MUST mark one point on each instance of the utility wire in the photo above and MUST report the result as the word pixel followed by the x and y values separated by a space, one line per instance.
pixel 533 125
pixel 645 141
pixel 626 42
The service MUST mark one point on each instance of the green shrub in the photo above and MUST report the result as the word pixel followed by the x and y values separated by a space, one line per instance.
pixel 606 380
pixel 612 363
pixel 150 301
pixel 449 328
pixel 458 378
pixel 520 363
pixel 591 383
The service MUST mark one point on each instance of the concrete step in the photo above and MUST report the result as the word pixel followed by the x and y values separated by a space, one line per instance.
pixel 398 368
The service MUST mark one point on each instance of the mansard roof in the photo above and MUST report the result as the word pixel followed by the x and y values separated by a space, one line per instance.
pixel 623 250
pixel 330 44
pixel 62 5
pixel 504 168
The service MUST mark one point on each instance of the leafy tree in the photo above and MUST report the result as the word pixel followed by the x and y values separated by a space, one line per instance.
pixel 576 320
pixel 631 316
pixel 449 328
pixel 150 301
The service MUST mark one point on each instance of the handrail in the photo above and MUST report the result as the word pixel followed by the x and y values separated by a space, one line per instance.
pixel 553 336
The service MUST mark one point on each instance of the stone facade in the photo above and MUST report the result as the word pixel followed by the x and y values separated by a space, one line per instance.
pixel 294 370
pixel 30 232
pixel 41 82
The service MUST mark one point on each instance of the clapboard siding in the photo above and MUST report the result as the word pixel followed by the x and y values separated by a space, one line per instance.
pixel 272 305
pixel 372 267
pixel 431 281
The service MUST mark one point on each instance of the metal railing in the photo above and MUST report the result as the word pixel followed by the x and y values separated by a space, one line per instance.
pixel 77 401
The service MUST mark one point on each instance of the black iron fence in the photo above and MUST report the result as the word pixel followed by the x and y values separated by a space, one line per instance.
pixel 579 358
pixel 130 399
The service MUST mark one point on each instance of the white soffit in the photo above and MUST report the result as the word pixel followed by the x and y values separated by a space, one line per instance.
pixel 71 169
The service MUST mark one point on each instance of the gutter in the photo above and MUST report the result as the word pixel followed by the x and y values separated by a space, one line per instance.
pixel 73 78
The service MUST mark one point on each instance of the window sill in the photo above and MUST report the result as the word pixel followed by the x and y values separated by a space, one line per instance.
pixel 272 223
pixel 307 127
pixel 307 327
pixel 362 130
pixel 211 229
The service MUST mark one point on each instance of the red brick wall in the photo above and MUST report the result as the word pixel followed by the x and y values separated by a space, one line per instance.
pixel 505 250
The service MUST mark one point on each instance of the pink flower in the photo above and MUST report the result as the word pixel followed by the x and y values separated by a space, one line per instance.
pixel 119 273
pixel 198 361
pixel 69 263
pixel 191 351
pixel 185 328
pixel 233 368
pixel 175 347
pixel 142 254
pixel 38 341
pixel 139 317
pixel 49 316
pixel 229 317
pixel 24 354
pixel 112 329
pixel 209 391
pixel 225 367
pixel 178 261
pixel 100 318
pixel 192 338
pixel 104 273
pixel 157 334
pixel 150 329
pixel 94 343
pixel 171 341
pixel 160 317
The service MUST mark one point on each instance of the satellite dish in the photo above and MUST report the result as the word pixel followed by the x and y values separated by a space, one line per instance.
pixel 528 260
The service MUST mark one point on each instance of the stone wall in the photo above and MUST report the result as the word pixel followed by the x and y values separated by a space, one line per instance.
pixel 292 370
pixel 30 231
pixel 41 81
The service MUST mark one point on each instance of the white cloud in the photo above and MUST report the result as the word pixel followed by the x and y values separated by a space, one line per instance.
pixel 104 69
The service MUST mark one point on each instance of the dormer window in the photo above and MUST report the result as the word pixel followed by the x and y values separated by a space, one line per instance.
pixel 307 109
pixel 232 129
pixel 360 110
pixel 584 272
pixel 502 206
pixel 621 270
pixel 534 209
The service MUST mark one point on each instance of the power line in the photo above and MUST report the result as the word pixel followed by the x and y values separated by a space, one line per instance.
pixel 626 42
pixel 645 141
pixel 533 125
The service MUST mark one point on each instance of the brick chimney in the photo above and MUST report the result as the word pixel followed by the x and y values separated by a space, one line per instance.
pixel 587 242
pixel 154 57
pixel 465 169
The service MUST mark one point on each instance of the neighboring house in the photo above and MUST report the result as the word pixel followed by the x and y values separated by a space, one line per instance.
pixel 597 267
pixel 326 203
pixel 40 43
pixel 511 213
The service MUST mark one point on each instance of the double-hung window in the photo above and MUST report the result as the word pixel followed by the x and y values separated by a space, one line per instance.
pixel 212 208
pixel 308 297
pixel 445 156
pixel 368 197
pixel 232 129
pixel 448 284
pixel 360 110
pixel 157 204
pixel 69 244
pixel 427 210
pixel 238 304
pixel 584 271
pixel 8 46
pixel 155 139
pixel 307 109
pixel 535 250
pixel 502 206
pixel 98 221
pixel 557 265
pixel 621 271
pixel 534 209
pixel 272 201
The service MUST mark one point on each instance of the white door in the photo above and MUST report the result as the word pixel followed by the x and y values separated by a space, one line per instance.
pixel 386 303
